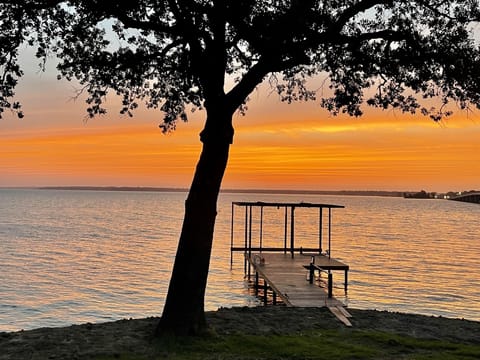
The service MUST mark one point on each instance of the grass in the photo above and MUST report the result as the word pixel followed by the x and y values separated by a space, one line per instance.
pixel 317 344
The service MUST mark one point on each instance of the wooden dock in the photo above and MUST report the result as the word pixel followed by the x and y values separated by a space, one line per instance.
pixel 287 269
pixel 288 278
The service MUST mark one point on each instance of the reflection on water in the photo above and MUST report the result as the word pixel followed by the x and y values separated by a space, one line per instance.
pixel 78 256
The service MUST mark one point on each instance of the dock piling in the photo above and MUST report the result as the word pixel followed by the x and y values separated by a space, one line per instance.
pixel 330 284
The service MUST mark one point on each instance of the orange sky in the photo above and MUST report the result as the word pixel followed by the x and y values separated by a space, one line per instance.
pixel 276 146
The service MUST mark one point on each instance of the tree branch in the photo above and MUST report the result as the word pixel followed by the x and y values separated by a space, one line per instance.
pixel 354 10
pixel 149 25
pixel 246 85
pixel 390 35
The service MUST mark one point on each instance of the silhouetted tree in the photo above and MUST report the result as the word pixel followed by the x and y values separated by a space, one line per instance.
pixel 177 55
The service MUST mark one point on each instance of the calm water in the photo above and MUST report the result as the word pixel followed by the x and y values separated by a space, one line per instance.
pixel 91 256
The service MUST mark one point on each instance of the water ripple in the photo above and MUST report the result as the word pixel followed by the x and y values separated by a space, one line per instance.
pixel 78 256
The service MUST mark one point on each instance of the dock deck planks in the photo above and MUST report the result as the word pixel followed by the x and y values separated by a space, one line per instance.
pixel 287 277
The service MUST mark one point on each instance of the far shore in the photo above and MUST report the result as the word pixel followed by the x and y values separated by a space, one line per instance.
pixel 384 193
pixel 134 336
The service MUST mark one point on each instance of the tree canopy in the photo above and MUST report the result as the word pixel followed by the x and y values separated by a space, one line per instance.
pixel 182 55
pixel 173 54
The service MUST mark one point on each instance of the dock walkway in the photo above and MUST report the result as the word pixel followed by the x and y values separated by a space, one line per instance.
pixel 288 279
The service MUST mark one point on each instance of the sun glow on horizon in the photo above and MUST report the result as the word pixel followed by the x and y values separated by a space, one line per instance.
pixel 276 146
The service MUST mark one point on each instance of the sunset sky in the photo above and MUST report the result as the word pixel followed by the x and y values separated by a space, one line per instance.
pixel 276 146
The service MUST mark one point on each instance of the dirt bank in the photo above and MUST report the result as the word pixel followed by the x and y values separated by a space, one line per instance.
pixel 88 341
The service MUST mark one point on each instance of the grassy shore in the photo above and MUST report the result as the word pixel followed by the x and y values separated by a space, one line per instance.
pixel 258 333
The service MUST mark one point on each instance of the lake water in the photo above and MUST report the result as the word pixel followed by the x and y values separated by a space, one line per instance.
pixel 93 256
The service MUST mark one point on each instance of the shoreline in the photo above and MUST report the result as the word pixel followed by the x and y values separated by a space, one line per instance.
pixel 86 341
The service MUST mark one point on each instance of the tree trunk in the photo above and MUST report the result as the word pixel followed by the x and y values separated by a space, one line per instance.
pixel 183 313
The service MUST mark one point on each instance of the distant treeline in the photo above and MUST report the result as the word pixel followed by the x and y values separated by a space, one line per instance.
pixel 434 195
pixel 420 195
pixel 240 191
pixel 113 188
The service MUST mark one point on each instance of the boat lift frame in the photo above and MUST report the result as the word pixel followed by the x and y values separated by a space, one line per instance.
pixel 248 247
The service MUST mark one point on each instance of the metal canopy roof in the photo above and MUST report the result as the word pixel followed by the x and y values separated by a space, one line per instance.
pixel 286 204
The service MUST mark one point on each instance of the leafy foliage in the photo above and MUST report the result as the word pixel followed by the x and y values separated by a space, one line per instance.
pixel 176 55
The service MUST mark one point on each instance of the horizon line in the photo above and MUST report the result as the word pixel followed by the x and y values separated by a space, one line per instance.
pixel 392 193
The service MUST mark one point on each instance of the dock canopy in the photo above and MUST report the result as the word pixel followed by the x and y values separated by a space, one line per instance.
pixel 287 204
pixel 250 244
